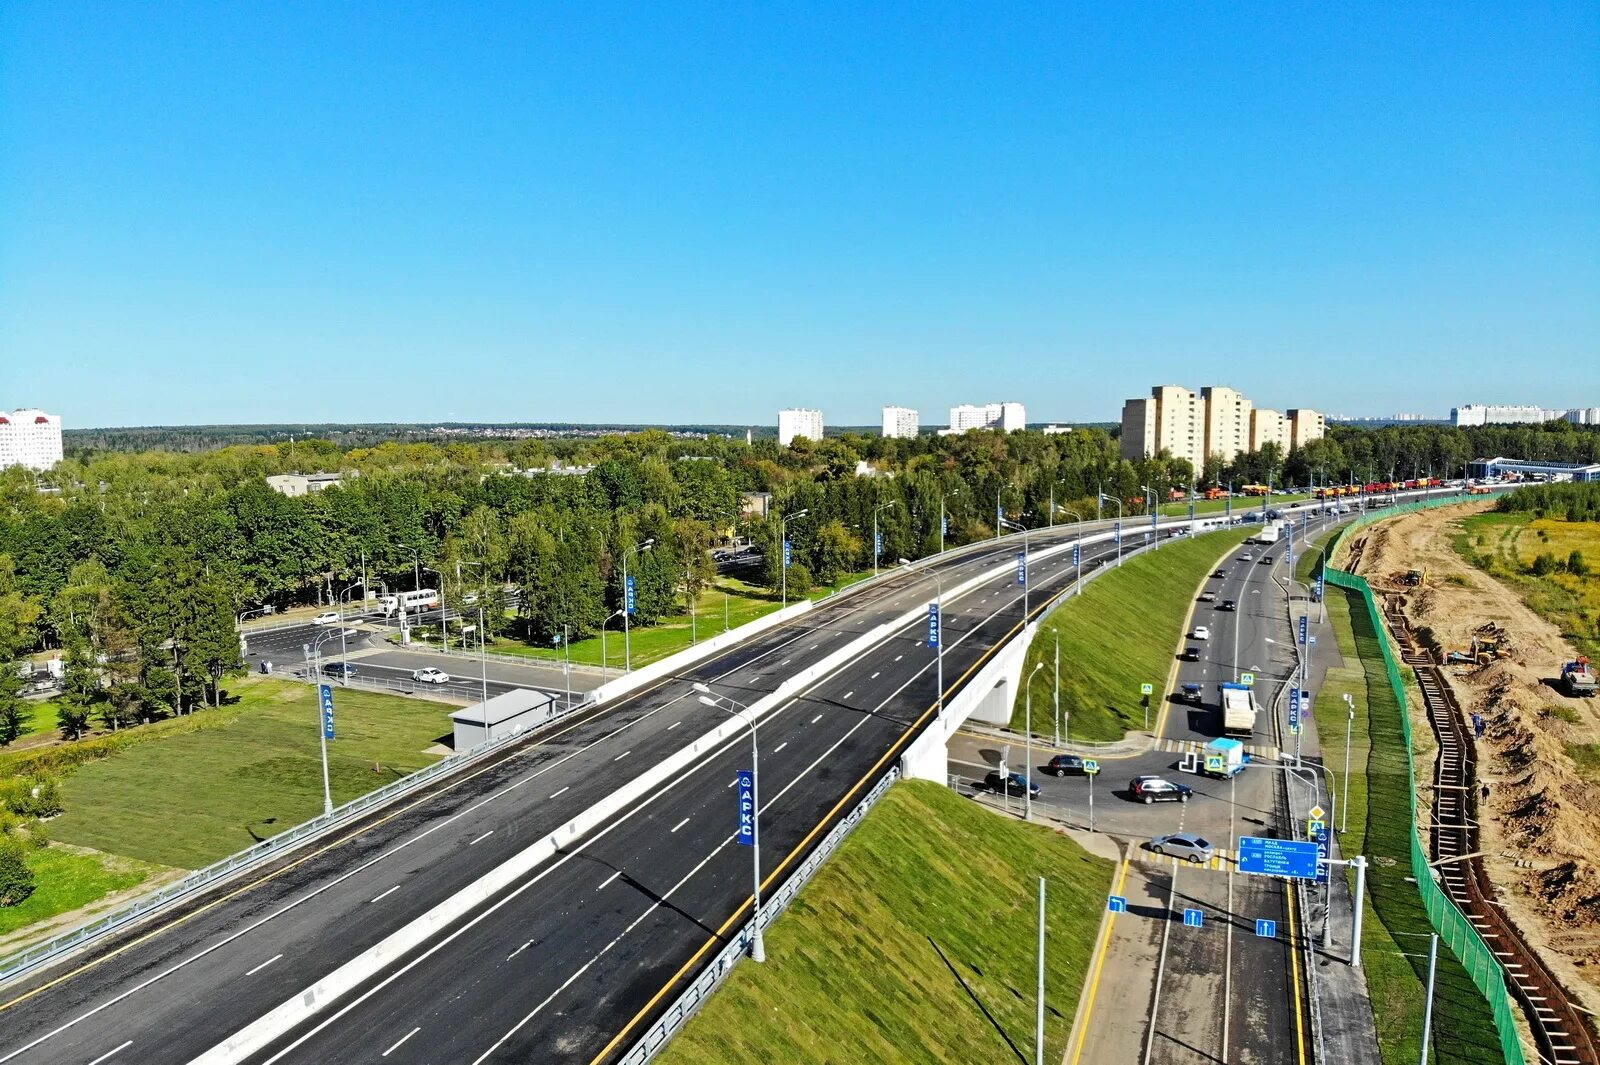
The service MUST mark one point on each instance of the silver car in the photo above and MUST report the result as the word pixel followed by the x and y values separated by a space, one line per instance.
pixel 1187 845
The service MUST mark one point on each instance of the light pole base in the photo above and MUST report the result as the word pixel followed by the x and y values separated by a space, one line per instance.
pixel 758 946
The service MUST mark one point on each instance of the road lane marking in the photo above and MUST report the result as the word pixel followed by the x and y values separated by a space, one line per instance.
pixel 816 719
pixel 606 882
pixel 674 725
pixel 1099 966
pixel 680 824
pixel 874 676
pixel 386 894
pixel 898 657
pixel 623 755
pixel 264 964
pixel 847 694
pixel 481 838
pixel 519 950
pixel 780 746
pixel 563 791
pixel 401 1040
pixel 732 782
pixel 112 1053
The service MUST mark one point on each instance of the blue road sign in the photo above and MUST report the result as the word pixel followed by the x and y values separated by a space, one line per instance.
pixel 326 691
pixel 1193 918
pixel 787 552
pixel 747 808
pixel 1278 857
pixel 1266 929
pixel 1077 554
pixel 1022 567
pixel 1117 904
pixel 1091 766
pixel 1319 838
pixel 630 595
pixel 933 625
pixel 1294 710
pixel 1304 627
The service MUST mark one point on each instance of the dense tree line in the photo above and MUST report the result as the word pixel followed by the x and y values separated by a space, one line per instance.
pixel 1574 502
pixel 137 564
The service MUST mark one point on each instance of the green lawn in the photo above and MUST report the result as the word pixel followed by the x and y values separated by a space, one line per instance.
pixel 1120 633
pixel 38 720
pixel 66 880
pixel 923 923
pixel 189 798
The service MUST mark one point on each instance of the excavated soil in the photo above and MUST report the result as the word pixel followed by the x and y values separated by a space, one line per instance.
pixel 1541 819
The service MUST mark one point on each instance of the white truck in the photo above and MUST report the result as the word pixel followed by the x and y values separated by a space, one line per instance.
pixel 1270 533
pixel 1238 710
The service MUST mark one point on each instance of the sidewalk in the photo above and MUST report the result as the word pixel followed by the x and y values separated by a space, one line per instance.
pixel 1133 743
pixel 1342 1008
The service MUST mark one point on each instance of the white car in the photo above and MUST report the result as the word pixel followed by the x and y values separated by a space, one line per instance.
pixel 430 675
pixel 1247 557
pixel 327 617
pixel 1200 633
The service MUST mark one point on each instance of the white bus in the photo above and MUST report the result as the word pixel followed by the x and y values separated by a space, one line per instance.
pixel 411 602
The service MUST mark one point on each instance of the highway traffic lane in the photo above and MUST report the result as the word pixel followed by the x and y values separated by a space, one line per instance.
pixel 1111 1028
pixel 614 967
pixel 283 972
pixel 1267 1020
pixel 543 676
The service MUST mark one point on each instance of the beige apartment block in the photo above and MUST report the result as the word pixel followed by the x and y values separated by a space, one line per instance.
pixel 1305 425
pixel 1227 421
pixel 1168 421
pixel 1268 427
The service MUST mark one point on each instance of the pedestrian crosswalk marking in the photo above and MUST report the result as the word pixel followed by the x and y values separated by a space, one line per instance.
pixel 1172 746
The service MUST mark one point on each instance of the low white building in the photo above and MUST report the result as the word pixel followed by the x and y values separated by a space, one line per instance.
pixel 30 438
pixel 510 714
pixel 900 423
pixel 799 421
pixel 1006 417
pixel 303 484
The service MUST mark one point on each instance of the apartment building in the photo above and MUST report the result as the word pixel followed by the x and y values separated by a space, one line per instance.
pixel 1006 417
pixel 1305 425
pixel 1217 422
pixel 899 423
pixel 1228 421
pixel 30 438
pixel 1268 427
pixel 799 421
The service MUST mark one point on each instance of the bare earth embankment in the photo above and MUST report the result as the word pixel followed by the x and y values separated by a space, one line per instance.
pixel 1541 818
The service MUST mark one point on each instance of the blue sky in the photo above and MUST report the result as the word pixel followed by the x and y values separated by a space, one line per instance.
pixel 683 212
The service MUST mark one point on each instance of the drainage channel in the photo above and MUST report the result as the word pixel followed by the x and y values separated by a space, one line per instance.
pixel 1559 1030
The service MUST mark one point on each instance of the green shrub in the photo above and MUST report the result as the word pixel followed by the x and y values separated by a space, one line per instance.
pixel 16 879
pixel 1544 564
pixel 1577 565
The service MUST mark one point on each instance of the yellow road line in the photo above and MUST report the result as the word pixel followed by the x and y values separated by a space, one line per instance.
pixel 1099 966
pixel 1294 958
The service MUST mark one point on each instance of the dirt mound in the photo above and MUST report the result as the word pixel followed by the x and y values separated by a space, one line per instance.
pixel 1540 821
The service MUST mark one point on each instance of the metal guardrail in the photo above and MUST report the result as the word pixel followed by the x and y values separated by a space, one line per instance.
pixel 649 1044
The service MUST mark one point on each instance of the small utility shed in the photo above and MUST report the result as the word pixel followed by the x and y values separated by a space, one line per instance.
pixel 504 715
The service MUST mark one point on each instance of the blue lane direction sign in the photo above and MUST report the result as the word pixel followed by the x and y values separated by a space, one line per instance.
pixel 1022 567
pixel 327 710
pixel 1117 904
pixel 1278 857
pixel 1266 929
pixel 1193 918
pixel 933 625
pixel 630 595
pixel 747 808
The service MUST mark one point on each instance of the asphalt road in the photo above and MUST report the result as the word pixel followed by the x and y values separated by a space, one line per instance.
pixel 170 992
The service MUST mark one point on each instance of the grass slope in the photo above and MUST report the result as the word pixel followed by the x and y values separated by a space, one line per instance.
pixel 1242 505
pixel 854 969
pixel 188 798
pixel 1120 633
pixel 66 880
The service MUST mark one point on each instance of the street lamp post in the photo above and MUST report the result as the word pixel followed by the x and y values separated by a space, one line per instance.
pixel 877 550
pixel 444 626
pixel 944 517
pixel 1027 725
pixel 1077 551
pixel 603 659
pixel 783 550
pixel 758 947
pixel 344 668
pixel 627 605
pixel 1118 502
pixel 313 653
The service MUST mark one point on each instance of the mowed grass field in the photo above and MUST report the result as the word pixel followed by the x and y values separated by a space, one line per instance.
pixel 1123 631
pixel 187 799
pixel 916 943
pixel 65 880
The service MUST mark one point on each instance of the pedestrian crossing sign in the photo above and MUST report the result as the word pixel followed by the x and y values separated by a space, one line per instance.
pixel 1247 678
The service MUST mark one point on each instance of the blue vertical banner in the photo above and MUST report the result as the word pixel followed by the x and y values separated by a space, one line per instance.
pixel 787 553
pixel 944 523
pixel 1294 711
pixel 1116 531
pixel 1320 587
pixel 327 710
pixel 877 545
pixel 1077 554
pixel 1022 567
pixel 1304 627
pixel 747 808
pixel 999 517
pixel 934 625
pixel 630 598
pixel 1155 519
pixel 1319 834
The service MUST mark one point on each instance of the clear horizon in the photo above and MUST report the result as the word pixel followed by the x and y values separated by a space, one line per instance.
pixel 363 214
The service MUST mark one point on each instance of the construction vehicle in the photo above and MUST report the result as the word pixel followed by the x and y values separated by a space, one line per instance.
pixel 1415 577
pixel 1488 643
pixel 1577 677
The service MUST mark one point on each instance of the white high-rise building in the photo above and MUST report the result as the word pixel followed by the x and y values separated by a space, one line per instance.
pixel 799 421
pixel 1006 417
pixel 30 438
pixel 899 423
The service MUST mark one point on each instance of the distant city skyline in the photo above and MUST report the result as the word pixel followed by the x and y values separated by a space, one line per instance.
pixel 247 214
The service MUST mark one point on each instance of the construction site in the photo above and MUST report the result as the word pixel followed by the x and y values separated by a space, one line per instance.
pixel 1513 812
